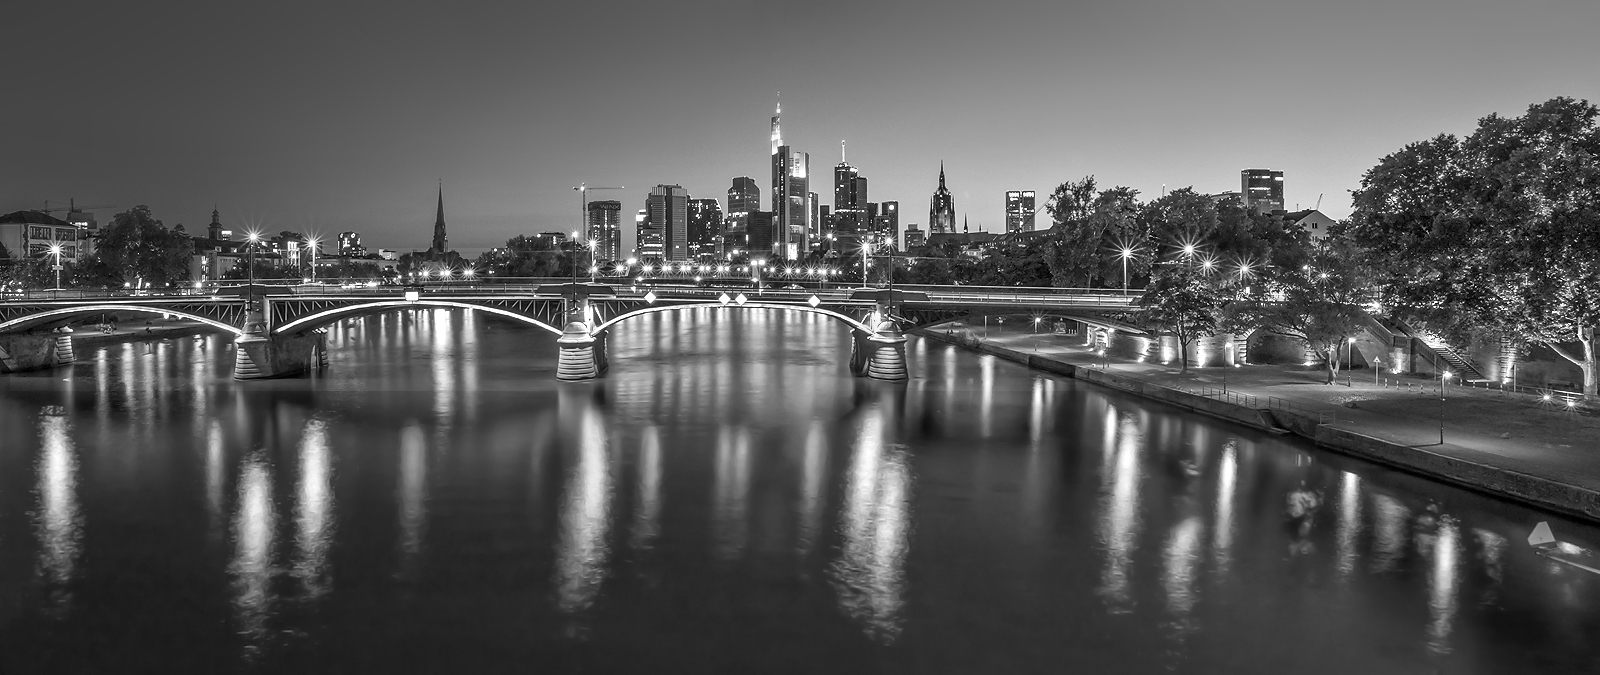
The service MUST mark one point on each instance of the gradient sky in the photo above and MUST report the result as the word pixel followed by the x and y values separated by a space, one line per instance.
pixel 324 117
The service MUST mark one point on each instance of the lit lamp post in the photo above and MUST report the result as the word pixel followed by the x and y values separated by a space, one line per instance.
pixel 1444 378
pixel 1036 333
pixel 311 247
pixel 1125 254
pixel 55 250
pixel 254 238
pixel 1350 362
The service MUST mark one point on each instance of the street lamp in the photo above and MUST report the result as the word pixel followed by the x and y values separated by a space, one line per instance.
pixel 311 245
pixel 254 238
pixel 1444 378
pixel 55 250
pixel 1036 333
pixel 1125 254
pixel 1350 362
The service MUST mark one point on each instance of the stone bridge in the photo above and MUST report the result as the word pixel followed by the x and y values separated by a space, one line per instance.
pixel 279 331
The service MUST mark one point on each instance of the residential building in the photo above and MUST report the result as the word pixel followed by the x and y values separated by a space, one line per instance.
pixel 28 234
pixel 1019 211
pixel 1314 222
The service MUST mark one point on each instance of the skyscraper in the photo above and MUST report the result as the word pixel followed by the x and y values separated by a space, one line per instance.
pixel 745 195
pixel 1262 190
pixel 942 208
pixel 886 225
pixel 704 229
pixel 850 211
pixel 791 185
pixel 1019 211
pixel 668 207
pixel 744 198
pixel 605 229
pixel 439 242
pixel 646 239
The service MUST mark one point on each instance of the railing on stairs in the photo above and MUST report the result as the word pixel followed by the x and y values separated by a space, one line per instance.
pixel 1463 368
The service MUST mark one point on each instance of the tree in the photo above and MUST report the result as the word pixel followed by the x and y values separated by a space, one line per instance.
pixel 1183 302
pixel 1318 301
pixel 1498 232
pixel 137 248
pixel 1071 200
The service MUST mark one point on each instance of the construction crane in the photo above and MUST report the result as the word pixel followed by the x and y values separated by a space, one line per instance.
pixel 72 207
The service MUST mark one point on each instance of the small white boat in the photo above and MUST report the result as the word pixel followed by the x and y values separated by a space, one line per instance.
pixel 1544 543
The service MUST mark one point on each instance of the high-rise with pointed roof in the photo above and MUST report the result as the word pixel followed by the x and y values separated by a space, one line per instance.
pixel 942 209
pixel 791 192
pixel 439 240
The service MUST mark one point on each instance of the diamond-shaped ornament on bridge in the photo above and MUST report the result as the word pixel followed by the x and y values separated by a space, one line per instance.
pixel 814 301
pixel 650 297
pixel 741 299
pixel 724 299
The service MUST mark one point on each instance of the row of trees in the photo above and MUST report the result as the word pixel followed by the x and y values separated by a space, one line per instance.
pixel 133 249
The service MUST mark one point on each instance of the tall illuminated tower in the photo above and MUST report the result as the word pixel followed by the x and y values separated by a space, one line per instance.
pixel 791 189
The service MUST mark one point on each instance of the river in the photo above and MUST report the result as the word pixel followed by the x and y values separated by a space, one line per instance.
pixel 728 499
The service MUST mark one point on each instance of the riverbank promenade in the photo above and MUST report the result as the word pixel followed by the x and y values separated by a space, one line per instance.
pixel 1519 433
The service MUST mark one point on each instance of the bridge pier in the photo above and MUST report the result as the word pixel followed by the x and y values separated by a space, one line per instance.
pixel 257 357
pixel 885 352
pixel 582 356
pixel 34 352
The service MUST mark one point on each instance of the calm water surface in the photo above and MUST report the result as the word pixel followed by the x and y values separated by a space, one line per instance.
pixel 729 499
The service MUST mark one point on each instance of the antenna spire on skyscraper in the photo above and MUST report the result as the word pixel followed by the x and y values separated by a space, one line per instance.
pixel 841 152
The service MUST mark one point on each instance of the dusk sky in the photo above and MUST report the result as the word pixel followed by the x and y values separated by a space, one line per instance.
pixel 324 117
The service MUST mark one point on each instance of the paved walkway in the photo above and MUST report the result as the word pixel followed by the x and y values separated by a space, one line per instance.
pixel 1518 432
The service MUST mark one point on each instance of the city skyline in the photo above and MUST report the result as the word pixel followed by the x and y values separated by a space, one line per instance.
pixel 232 129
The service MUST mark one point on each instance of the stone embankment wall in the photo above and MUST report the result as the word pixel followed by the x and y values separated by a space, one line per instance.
pixel 1534 490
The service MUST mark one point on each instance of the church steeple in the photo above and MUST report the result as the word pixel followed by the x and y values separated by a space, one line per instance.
pixel 438 224
pixel 941 174
pixel 214 230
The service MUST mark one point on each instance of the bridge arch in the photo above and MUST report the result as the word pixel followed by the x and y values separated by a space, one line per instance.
pixel 328 316
pixel 852 322
pixel 47 316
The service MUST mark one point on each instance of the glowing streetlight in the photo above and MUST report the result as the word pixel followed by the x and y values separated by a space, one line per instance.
pixel 55 250
pixel 1444 379
pixel 311 245
pixel 1126 253
pixel 253 238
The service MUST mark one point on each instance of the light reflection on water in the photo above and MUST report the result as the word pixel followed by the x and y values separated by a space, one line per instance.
pixel 730 480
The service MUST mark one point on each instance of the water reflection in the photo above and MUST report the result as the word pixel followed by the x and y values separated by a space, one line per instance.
pixel 60 526
pixel 869 574
pixel 1119 523
pixel 581 551
pixel 731 496
pixel 813 474
pixel 1349 522
pixel 314 511
pixel 1222 531
pixel 254 528
pixel 1442 580
pixel 647 512
pixel 413 494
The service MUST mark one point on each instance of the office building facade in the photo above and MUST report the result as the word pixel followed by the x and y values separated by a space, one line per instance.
pixel 705 229
pixel 886 226
pixel 1019 210
pixel 605 229
pixel 1262 190
pixel 666 220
